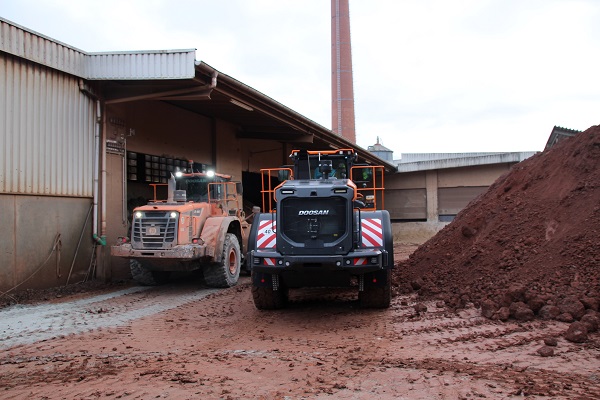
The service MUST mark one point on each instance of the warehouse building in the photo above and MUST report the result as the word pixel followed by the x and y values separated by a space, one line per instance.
pixel 87 136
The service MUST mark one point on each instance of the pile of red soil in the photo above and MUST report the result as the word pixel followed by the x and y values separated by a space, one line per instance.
pixel 528 246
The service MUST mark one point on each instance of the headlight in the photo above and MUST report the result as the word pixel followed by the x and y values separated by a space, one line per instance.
pixel 173 214
pixel 138 214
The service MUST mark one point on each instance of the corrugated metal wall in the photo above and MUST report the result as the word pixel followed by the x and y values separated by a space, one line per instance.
pixel 46 131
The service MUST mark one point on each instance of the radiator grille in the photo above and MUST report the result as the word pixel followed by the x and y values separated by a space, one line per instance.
pixel 314 221
pixel 154 230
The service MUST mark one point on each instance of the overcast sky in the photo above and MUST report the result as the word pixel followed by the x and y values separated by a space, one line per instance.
pixel 430 76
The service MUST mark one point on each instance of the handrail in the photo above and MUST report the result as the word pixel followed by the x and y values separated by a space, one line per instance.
pixel 369 183
pixel 267 190
pixel 225 196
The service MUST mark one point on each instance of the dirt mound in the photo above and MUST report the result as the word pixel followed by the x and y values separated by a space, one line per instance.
pixel 528 246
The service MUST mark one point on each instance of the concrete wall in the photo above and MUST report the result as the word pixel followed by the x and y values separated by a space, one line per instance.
pixel 31 227
pixel 161 129
pixel 481 175
pixel 415 232
pixel 409 180
pixel 228 151
pixel 425 195
pixel 257 154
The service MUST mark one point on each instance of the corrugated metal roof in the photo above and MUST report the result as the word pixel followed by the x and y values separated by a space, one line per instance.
pixel 416 157
pixel 35 47
pixel 559 133
pixel 492 158
pixel 130 65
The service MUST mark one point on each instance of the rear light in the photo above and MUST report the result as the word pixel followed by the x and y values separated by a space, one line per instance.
pixel 195 241
pixel 257 261
pixel 122 239
pixel 374 260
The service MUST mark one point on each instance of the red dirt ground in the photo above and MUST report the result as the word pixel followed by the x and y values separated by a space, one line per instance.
pixel 525 255
pixel 322 346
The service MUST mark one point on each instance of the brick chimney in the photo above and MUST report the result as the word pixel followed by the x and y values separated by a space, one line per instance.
pixel 342 104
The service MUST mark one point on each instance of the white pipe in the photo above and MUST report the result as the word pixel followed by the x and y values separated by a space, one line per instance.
pixel 96 167
pixel 124 198
pixel 103 216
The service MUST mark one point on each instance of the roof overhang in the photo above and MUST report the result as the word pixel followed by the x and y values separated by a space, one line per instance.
pixel 173 76
pixel 216 95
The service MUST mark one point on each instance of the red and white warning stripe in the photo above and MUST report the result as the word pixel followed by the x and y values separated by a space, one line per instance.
pixel 269 261
pixel 265 238
pixel 372 232
pixel 360 261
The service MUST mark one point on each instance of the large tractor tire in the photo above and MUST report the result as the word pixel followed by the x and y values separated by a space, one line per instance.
pixel 227 272
pixel 146 277
pixel 377 296
pixel 265 298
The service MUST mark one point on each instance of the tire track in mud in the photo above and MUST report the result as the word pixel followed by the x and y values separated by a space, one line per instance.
pixel 220 346
pixel 23 325
pixel 347 378
pixel 503 353
pixel 528 382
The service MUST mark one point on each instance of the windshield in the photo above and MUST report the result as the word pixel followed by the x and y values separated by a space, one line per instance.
pixel 338 168
pixel 196 187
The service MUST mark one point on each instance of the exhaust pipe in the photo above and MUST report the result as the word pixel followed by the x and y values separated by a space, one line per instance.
pixel 171 189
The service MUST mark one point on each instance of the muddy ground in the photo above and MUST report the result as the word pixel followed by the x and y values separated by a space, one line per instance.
pixel 184 342
pixel 502 303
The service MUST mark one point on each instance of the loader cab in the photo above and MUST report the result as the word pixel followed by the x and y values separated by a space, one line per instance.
pixel 197 185
pixel 333 164
pixel 315 165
